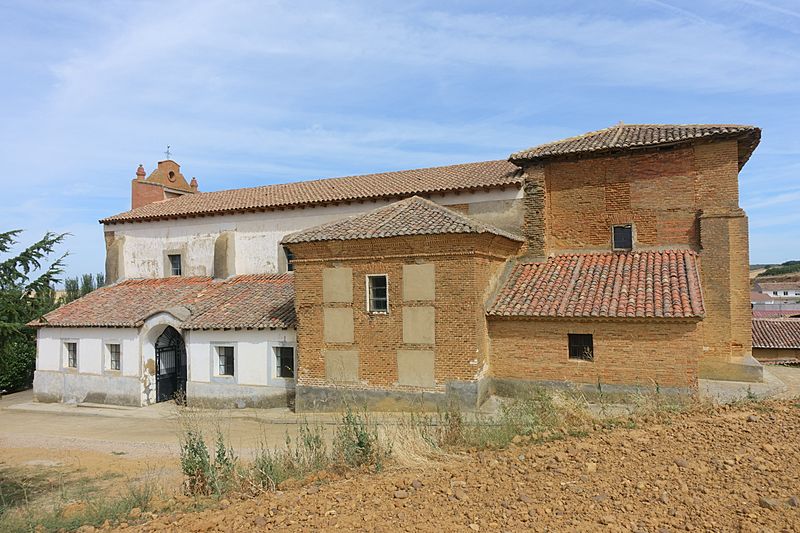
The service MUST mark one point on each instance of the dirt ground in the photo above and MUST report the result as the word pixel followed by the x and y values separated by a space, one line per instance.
pixel 113 444
pixel 731 469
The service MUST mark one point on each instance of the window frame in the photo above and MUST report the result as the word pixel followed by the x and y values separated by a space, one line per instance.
pixel 289 258
pixel 218 369
pixel 369 297
pixel 573 341
pixel 276 367
pixel 171 266
pixel 66 356
pixel 110 356
pixel 614 246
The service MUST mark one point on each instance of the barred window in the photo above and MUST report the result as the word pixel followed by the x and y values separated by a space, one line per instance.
pixel 581 346
pixel 623 237
pixel 284 361
pixel 72 354
pixel 225 354
pixel 114 356
pixel 175 264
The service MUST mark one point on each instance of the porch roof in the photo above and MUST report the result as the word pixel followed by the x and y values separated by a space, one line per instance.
pixel 241 302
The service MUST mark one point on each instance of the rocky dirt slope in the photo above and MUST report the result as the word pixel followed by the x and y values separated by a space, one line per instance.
pixel 734 469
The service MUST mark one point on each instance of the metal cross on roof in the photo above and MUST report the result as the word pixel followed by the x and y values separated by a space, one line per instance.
pixel 168 153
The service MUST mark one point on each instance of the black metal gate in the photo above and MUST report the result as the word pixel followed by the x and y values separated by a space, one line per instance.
pixel 170 365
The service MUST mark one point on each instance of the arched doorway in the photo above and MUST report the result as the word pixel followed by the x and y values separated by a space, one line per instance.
pixel 170 365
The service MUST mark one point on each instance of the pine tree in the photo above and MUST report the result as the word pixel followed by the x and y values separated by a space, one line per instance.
pixel 26 293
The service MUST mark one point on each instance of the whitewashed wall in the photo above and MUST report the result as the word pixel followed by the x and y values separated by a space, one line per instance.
pixel 92 352
pixel 257 235
pixel 254 356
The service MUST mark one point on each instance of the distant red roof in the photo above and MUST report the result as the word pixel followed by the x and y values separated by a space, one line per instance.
pixel 776 333
pixel 648 284
pixel 241 302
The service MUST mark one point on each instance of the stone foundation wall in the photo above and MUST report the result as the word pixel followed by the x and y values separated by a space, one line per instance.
pixel 72 387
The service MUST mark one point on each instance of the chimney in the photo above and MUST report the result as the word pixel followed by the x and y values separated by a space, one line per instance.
pixel 534 226
pixel 193 184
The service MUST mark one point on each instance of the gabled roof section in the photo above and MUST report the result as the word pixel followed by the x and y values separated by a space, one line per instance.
pixel 412 216
pixel 647 284
pixel 468 176
pixel 240 302
pixel 637 136
pixel 783 333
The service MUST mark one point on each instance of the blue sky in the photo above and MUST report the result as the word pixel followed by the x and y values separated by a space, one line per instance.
pixel 249 93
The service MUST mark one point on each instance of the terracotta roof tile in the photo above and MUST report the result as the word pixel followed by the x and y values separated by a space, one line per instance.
pixel 648 284
pixel 308 193
pixel 779 285
pixel 775 313
pixel 776 333
pixel 250 302
pixel 632 136
pixel 412 216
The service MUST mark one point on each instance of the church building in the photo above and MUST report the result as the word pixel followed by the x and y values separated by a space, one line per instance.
pixel 615 259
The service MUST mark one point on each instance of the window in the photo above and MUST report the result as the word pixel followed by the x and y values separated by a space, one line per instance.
pixel 175 264
pixel 774 293
pixel 225 354
pixel 377 293
pixel 72 354
pixel 622 237
pixel 581 346
pixel 289 259
pixel 114 356
pixel 284 361
pixel 786 293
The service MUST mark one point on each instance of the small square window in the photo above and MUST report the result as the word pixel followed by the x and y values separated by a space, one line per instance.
pixel 378 293
pixel 284 361
pixel 622 237
pixel 581 346
pixel 225 354
pixel 786 293
pixel 175 264
pixel 114 356
pixel 72 354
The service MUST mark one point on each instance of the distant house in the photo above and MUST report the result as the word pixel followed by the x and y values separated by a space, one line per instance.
pixel 776 339
pixel 760 298
pixel 776 289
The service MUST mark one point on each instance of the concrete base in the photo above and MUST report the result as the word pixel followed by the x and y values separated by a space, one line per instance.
pixel 511 388
pixel 467 394
pixel 725 391
pixel 228 396
pixel 55 386
pixel 746 369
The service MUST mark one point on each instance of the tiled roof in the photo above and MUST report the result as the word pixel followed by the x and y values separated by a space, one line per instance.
pixel 468 176
pixel 776 333
pixel 632 136
pixel 412 216
pixel 756 296
pixel 779 285
pixel 648 284
pixel 250 302
pixel 774 313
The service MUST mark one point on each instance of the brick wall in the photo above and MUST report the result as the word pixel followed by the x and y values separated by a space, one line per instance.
pixel 464 264
pixel 625 352
pixel 684 196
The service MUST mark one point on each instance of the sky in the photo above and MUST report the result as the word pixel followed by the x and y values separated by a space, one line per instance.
pixel 251 93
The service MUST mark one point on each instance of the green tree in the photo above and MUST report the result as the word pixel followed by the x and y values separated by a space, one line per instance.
pixel 75 288
pixel 26 293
